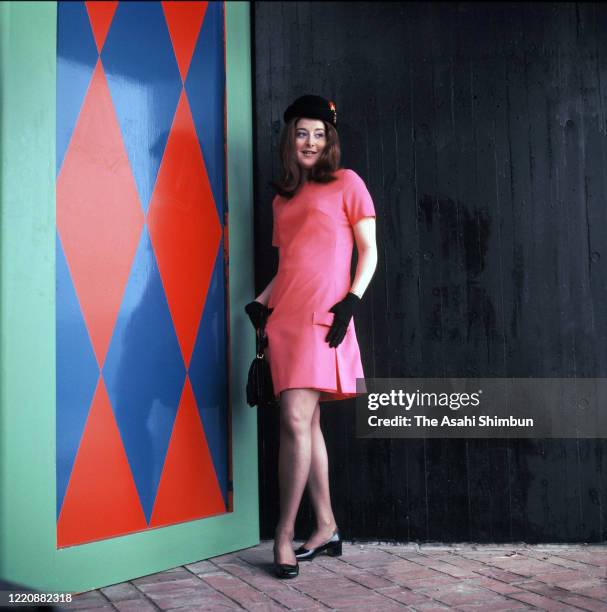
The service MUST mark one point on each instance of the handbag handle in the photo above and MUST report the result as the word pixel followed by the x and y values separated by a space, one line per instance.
pixel 261 341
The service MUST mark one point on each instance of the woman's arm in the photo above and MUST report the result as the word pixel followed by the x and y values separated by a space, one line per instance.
pixel 264 296
pixel 364 234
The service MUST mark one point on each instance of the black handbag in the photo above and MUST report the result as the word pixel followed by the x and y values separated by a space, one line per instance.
pixel 260 390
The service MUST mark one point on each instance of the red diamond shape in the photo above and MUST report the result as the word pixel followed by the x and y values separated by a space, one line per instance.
pixel 184 227
pixel 100 16
pixel 183 21
pixel 99 217
pixel 188 487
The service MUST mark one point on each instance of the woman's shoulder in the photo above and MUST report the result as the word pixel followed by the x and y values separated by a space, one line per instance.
pixel 349 177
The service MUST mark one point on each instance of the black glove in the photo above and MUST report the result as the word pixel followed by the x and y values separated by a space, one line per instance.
pixel 258 313
pixel 344 311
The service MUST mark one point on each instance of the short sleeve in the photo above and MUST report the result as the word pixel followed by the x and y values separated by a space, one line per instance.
pixel 357 199
pixel 274 224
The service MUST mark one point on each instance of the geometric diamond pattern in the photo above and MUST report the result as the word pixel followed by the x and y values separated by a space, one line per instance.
pixel 184 20
pixel 142 413
pixel 76 59
pixel 144 372
pixel 101 15
pixel 182 205
pixel 95 188
pixel 209 379
pixel 205 87
pixel 145 84
pixel 189 485
pixel 77 374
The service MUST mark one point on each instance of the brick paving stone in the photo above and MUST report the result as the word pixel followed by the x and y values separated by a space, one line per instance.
pixel 339 601
pixel 397 549
pixel 221 580
pixel 311 570
pixel 163 589
pixel 88 599
pixel 375 577
pixel 464 593
pixel 318 587
pixel 107 606
pixel 499 574
pixel 495 606
pixel 535 586
pixel 370 558
pixel 293 599
pixel 503 588
pixel 404 596
pixel 335 564
pixel 207 607
pixel 268 606
pixel 256 556
pixel 201 567
pixel 246 595
pixel 452 570
pixel 119 592
pixel 425 584
pixel 135 605
pixel 549 557
pixel 371 581
pixel 387 607
pixel 586 604
pixel 408 570
pixel 561 578
pixel 200 600
pixel 595 591
pixel 459 561
pixel 166 576
pixel 266 582
pixel 236 568
pixel 402 568
pixel 541 602
pixel 526 567
pixel 595 556
pixel 580 584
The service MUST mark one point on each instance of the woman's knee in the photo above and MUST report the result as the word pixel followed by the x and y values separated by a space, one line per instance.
pixel 295 423
pixel 297 411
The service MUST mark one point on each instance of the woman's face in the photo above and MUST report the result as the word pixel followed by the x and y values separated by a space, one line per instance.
pixel 310 140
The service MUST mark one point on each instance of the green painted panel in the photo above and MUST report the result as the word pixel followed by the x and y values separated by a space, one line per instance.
pixel 28 553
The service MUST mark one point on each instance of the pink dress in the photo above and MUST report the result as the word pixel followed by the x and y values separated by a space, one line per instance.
pixel 313 231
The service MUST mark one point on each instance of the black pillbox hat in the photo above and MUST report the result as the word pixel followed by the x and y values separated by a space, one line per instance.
pixel 312 107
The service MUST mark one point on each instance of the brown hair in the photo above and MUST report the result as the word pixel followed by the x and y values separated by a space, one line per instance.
pixel 321 172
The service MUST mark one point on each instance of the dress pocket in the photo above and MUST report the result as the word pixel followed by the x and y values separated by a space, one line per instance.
pixel 322 318
pixel 326 318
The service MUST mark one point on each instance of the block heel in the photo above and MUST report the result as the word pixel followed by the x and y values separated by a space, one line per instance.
pixel 331 547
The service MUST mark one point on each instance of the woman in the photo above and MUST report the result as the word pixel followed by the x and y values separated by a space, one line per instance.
pixel 319 212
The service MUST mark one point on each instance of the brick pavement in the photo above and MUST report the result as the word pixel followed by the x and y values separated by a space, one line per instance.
pixel 374 577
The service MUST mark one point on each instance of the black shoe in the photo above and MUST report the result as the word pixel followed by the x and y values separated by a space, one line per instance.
pixel 331 547
pixel 285 570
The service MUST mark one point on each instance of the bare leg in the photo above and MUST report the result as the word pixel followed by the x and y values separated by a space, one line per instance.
pixel 296 410
pixel 318 486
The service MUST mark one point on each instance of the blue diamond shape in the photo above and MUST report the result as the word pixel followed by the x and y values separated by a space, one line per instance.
pixel 208 373
pixel 77 373
pixel 145 373
pixel 205 86
pixel 145 85
pixel 76 60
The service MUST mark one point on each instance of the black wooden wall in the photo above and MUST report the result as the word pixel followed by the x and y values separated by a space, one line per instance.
pixel 480 130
